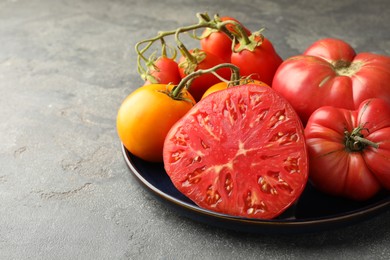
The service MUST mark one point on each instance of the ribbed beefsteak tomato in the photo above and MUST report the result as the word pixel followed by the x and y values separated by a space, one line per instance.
pixel 239 151
pixel 330 73
pixel 349 151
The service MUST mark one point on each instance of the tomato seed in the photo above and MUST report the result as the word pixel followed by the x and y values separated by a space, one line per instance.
pixel 277 118
pixel 255 99
pixel 259 117
pixel 228 184
pixel 250 211
pixel 204 122
pixel 252 203
pixel 230 112
pixel 176 156
pixel 265 188
pixel 197 158
pixel 204 145
pixel 212 196
pixel 242 108
pixel 181 138
pixel 195 176
pixel 292 165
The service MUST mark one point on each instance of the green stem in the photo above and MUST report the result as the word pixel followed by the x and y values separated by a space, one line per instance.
pixel 182 48
pixel 204 22
pixel 183 83
pixel 365 141
pixel 241 33
pixel 142 46
pixel 223 28
pixel 355 141
pixel 163 47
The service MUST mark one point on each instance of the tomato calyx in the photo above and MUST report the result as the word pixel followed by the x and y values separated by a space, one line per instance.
pixel 346 68
pixel 355 141
pixel 153 63
pixel 180 96
pixel 191 59
pixel 250 42
pixel 218 25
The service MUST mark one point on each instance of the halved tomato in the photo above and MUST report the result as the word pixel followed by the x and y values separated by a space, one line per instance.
pixel 240 152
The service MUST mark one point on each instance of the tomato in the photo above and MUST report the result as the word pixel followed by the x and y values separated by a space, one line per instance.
pixel 201 60
pixel 216 87
pixel 330 73
pixel 240 151
pixel 145 117
pixel 218 42
pixel 224 85
pixel 258 59
pixel 164 70
pixel 341 163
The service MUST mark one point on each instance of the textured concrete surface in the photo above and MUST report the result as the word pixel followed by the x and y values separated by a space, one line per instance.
pixel 65 190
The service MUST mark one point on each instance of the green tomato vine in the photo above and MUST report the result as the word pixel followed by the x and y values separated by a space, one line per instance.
pixel 204 21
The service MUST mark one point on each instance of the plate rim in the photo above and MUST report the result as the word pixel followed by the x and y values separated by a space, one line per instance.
pixel 308 223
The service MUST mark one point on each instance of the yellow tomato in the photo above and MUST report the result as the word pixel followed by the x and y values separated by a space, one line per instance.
pixel 145 117
pixel 224 85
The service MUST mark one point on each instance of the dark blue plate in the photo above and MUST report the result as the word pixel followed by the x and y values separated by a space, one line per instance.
pixel 313 212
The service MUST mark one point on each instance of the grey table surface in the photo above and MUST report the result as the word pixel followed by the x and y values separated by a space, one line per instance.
pixel 65 190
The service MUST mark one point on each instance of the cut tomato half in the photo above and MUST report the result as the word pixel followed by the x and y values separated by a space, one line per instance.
pixel 239 151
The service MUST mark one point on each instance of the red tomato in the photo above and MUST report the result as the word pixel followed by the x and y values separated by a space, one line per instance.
pixel 341 163
pixel 217 42
pixel 331 73
pixel 240 152
pixel 145 117
pixel 259 60
pixel 163 71
pixel 202 60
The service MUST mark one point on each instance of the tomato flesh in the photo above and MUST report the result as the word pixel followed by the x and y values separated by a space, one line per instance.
pixel 239 151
